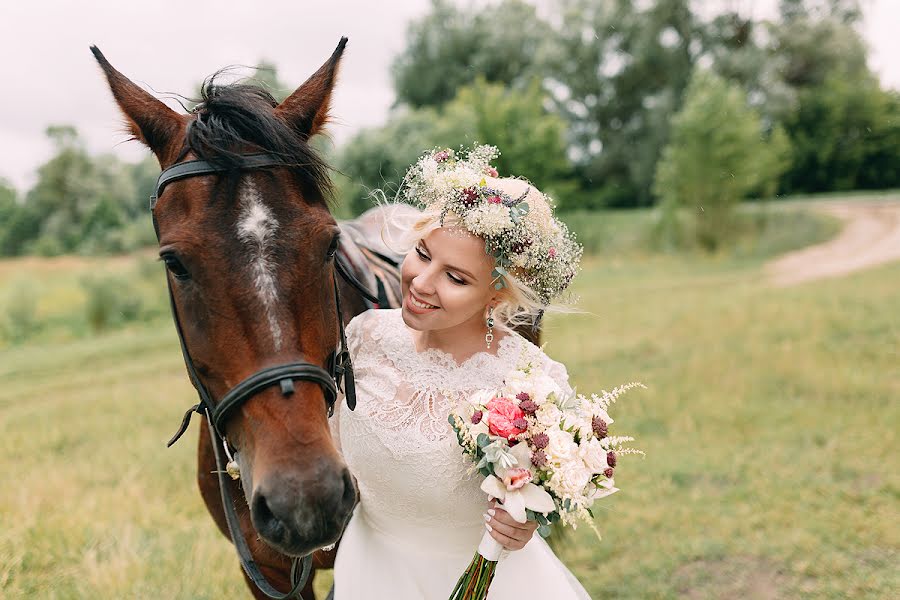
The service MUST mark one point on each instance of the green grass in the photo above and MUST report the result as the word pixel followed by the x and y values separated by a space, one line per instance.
pixel 770 427
pixel 763 230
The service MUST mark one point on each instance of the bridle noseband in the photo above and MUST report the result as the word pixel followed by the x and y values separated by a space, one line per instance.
pixel 339 369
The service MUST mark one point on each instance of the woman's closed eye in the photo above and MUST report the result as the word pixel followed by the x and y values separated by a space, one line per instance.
pixel 450 275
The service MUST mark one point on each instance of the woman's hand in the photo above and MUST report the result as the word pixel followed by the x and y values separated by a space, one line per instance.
pixel 511 534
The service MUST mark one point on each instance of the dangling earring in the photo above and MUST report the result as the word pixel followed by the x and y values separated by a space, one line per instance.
pixel 489 336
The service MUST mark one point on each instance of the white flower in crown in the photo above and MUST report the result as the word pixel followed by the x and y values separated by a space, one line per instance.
pixel 488 220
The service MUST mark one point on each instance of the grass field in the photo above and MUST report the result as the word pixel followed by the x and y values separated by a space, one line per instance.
pixel 770 426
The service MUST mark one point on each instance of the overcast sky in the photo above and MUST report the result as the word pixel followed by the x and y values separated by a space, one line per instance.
pixel 50 76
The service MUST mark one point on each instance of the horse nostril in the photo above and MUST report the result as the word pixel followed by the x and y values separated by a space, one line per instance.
pixel 263 517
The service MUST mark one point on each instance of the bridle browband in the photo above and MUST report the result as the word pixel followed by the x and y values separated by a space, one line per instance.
pixel 339 370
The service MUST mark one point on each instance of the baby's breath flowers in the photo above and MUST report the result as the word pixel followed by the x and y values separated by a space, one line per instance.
pixel 520 233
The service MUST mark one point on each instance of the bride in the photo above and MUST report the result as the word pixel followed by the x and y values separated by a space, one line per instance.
pixel 421 513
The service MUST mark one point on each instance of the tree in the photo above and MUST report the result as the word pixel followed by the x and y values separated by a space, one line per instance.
pixel 717 155
pixel 839 119
pixel 846 135
pixel 9 216
pixel 76 202
pixel 450 47
pixel 618 73
pixel 530 138
pixel 267 76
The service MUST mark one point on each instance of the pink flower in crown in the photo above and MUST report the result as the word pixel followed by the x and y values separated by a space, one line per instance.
pixel 503 418
pixel 495 199
pixel 552 252
pixel 490 171
pixel 441 156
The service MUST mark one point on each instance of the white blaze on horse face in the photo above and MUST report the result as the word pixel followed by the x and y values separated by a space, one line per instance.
pixel 256 227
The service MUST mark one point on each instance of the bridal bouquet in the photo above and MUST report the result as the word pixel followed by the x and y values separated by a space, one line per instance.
pixel 545 456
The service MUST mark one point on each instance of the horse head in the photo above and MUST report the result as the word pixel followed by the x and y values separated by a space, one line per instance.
pixel 249 257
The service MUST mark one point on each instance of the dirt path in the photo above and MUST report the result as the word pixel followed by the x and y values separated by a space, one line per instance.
pixel 871 236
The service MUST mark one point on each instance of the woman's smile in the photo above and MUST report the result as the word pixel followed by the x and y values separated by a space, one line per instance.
pixel 417 306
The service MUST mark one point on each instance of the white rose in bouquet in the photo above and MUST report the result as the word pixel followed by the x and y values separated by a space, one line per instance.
pixel 570 479
pixel 560 447
pixel 543 386
pixel 593 454
pixel 549 415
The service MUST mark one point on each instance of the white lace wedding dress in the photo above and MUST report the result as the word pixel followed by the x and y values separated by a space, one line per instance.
pixel 420 515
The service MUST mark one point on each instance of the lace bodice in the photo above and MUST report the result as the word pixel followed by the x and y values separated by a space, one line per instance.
pixel 414 481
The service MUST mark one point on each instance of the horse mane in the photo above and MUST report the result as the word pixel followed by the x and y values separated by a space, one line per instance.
pixel 233 116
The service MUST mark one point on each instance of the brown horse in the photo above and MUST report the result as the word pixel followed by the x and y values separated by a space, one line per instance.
pixel 248 256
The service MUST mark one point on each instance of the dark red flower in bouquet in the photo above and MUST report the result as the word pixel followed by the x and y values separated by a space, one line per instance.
pixel 611 458
pixel 608 472
pixel 540 440
pixel 538 458
pixel 476 417
pixel 599 426
pixel 528 407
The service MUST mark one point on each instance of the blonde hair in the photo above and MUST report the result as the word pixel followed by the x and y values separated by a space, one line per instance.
pixel 517 305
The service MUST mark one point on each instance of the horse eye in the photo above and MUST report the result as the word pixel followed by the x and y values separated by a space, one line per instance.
pixel 332 249
pixel 174 265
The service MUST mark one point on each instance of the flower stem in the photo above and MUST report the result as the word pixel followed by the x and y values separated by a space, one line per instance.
pixel 476 580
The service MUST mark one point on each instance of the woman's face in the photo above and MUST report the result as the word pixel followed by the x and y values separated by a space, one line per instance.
pixel 448 270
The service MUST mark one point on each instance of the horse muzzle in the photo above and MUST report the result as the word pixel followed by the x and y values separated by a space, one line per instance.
pixel 295 517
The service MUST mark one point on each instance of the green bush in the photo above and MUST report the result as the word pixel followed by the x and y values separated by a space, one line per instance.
pixel 20 318
pixel 111 300
pixel 717 156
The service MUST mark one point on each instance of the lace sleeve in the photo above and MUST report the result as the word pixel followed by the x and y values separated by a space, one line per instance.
pixel 354 330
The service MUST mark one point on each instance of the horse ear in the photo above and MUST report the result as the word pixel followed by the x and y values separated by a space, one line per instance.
pixel 306 110
pixel 147 119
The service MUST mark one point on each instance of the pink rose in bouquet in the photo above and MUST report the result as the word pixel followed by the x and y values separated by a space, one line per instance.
pixel 505 418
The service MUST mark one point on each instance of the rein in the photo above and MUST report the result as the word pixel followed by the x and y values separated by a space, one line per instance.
pixel 339 370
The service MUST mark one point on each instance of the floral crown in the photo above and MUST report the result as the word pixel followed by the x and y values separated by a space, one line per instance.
pixel 524 239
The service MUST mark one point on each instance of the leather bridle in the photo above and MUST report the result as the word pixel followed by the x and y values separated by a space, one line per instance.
pixel 339 369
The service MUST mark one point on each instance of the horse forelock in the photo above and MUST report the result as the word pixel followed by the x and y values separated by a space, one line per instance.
pixel 235 118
